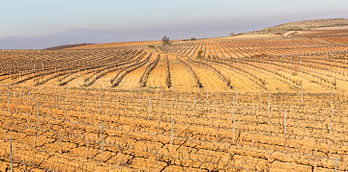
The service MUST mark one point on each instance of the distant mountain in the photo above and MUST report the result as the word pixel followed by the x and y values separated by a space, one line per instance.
pixel 62 38
pixel 77 36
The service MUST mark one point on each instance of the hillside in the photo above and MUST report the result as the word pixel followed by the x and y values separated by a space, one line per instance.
pixel 303 25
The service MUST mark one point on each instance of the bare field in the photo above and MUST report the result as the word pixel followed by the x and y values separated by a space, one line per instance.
pixel 244 103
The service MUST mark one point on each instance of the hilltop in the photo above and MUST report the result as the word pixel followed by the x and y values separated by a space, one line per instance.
pixel 304 25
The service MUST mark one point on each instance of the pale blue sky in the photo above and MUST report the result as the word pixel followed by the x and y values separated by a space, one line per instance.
pixel 41 17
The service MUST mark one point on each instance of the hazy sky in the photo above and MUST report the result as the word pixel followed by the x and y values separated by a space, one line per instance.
pixel 41 17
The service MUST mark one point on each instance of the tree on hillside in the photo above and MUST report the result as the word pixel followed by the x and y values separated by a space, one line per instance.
pixel 165 40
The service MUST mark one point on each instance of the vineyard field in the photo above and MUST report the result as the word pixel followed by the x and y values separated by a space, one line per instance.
pixel 238 103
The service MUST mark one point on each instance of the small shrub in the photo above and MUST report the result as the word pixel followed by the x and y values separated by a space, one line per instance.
pixel 199 54
pixel 294 73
